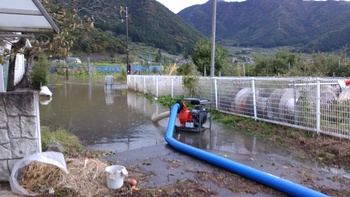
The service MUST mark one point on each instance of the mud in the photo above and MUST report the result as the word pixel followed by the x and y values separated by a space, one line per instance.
pixel 167 172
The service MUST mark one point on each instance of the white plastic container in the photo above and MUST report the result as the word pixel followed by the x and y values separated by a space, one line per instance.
pixel 115 176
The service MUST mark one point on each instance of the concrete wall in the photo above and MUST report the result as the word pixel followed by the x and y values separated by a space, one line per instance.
pixel 19 128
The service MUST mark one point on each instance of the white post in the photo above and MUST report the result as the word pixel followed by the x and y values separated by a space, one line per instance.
pixel 157 87
pixel 135 83
pixel 254 99
pixel 2 84
pixel 318 106
pixel 172 87
pixel 216 93
pixel 144 85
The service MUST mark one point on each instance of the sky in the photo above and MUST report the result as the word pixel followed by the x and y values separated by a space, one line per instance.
pixel 178 5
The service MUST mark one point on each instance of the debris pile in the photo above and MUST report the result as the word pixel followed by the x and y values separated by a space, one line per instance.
pixel 84 178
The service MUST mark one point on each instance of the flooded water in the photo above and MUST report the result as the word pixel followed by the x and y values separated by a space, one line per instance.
pixel 117 120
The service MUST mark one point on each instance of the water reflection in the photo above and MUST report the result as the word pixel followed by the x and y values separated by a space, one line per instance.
pixel 109 95
pixel 117 120
pixel 95 114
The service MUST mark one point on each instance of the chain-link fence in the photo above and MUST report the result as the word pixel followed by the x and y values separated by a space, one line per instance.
pixel 315 104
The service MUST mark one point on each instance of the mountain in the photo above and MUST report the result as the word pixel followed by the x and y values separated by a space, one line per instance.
pixel 149 22
pixel 309 25
pixel 154 23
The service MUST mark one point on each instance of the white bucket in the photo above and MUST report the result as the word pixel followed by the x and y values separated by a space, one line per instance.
pixel 115 176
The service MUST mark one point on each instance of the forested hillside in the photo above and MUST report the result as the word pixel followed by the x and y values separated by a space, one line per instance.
pixel 308 25
pixel 149 22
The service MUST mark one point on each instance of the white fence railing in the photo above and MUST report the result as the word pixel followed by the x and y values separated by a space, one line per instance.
pixel 314 104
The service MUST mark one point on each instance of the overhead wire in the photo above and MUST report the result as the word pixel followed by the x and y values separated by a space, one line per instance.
pixel 137 32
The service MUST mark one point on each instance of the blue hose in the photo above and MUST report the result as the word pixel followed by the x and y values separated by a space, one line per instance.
pixel 264 178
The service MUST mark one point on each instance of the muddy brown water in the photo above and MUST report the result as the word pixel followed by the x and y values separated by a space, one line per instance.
pixel 117 120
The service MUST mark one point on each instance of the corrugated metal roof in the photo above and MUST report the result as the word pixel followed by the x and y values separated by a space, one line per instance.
pixel 25 16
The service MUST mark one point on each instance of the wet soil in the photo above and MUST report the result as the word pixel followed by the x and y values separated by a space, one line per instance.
pixel 163 171
pixel 324 149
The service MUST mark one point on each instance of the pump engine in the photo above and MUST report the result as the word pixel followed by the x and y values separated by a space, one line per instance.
pixel 192 120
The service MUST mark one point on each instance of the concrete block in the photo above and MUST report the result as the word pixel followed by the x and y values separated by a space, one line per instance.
pixel 3 116
pixel 20 103
pixel 5 151
pixel 23 147
pixel 11 163
pixel 29 127
pixel 4 171
pixel 4 138
pixel 14 127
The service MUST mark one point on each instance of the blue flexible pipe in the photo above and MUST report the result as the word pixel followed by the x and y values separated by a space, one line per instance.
pixel 264 178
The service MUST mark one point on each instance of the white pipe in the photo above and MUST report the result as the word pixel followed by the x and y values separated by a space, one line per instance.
pixel 158 117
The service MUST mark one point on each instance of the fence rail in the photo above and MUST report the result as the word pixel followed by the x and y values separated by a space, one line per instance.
pixel 314 104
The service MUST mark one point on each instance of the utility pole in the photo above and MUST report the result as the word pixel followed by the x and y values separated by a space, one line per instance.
pixel 128 69
pixel 213 30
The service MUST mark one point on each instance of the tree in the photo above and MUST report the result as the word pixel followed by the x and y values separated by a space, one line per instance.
pixel 281 63
pixel 158 56
pixel 40 73
pixel 189 77
pixel 201 57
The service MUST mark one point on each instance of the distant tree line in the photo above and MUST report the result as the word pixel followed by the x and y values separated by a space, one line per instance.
pixel 283 63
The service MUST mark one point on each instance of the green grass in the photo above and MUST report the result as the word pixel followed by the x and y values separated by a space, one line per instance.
pixel 69 141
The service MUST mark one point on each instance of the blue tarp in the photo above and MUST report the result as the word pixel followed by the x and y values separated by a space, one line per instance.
pixel 114 69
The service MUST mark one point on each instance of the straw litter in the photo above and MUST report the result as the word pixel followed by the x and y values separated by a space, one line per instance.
pixel 84 178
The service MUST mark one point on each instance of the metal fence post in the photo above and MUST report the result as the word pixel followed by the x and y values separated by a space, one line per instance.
pixel 296 122
pixel 144 85
pixel 216 93
pixel 318 105
pixel 135 84
pixel 254 99
pixel 157 87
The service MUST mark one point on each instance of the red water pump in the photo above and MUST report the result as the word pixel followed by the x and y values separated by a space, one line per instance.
pixel 185 116
pixel 194 118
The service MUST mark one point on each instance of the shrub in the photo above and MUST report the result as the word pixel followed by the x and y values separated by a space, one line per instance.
pixel 40 74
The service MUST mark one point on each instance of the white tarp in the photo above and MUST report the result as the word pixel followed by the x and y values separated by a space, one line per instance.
pixel 2 85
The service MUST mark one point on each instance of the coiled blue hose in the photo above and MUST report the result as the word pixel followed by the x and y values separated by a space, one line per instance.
pixel 264 178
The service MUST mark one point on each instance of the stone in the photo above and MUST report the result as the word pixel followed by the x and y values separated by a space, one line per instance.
pixel 14 127
pixel 22 147
pixel 29 127
pixel 20 103
pixel 54 146
pixel 5 151
pixel 3 116
pixel 11 163
pixel 4 171
pixel 4 138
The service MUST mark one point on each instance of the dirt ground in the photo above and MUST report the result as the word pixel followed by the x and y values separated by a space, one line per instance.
pixel 166 172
